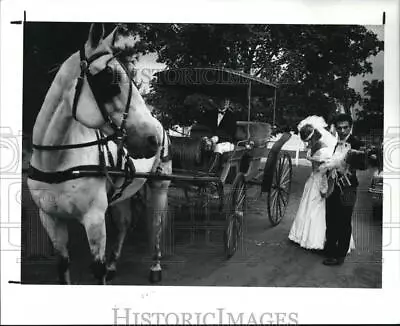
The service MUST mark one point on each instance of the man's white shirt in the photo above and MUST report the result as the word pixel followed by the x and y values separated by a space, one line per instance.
pixel 220 117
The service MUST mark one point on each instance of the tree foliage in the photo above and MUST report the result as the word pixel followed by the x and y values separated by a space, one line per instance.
pixel 311 64
pixel 370 117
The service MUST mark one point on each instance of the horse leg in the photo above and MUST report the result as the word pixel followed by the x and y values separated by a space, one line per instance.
pixel 157 213
pixel 94 223
pixel 121 216
pixel 58 232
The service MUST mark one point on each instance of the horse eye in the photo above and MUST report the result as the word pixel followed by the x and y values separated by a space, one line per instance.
pixel 104 77
pixel 105 84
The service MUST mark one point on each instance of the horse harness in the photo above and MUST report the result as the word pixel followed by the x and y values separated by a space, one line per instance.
pixel 119 136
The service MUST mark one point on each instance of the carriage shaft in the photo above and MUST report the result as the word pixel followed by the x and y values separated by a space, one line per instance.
pixel 150 176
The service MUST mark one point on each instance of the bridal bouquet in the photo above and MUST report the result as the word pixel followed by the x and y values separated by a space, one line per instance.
pixel 337 170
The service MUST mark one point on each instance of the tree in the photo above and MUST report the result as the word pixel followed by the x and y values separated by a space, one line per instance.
pixel 370 118
pixel 374 91
pixel 311 64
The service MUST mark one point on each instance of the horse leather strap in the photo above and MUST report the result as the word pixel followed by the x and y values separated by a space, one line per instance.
pixel 109 154
pixel 101 107
pixel 129 169
pixel 79 84
pixel 102 162
pixel 129 174
pixel 62 176
pixel 85 63
pixel 73 146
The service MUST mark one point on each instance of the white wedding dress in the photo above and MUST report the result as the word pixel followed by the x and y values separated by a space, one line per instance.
pixel 309 226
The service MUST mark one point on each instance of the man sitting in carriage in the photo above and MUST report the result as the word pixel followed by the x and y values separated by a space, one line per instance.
pixel 221 123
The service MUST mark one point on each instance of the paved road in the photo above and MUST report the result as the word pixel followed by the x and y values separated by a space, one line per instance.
pixel 266 257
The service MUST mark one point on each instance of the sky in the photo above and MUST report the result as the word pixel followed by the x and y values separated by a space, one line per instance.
pixel 377 63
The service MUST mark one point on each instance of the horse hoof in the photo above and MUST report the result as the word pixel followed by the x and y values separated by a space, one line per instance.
pixel 102 281
pixel 155 276
pixel 110 274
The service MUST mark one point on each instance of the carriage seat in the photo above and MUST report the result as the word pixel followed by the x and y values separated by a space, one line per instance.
pixel 260 132
pixel 188 154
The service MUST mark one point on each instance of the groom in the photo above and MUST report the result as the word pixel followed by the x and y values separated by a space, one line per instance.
pixel 221 122
pixel 340 204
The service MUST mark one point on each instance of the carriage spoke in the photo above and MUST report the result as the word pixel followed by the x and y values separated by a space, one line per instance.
pixel 273 195
pixel 284 201
pixel 241 198
pixel 278 197
pixel 286 191
pixel 280 205
pixel 286 172
pixel 286 198
pixel 277 179
pixel 280 209
pixel 285 182
pixel 275 198
pixel 236 209
pixel 277 209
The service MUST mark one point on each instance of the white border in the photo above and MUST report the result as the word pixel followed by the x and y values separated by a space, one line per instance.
pixel 52 304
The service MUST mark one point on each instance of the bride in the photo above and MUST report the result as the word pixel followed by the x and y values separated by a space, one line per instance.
pixel 309 226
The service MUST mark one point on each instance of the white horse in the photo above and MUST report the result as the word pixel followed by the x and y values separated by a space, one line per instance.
pixel 92 109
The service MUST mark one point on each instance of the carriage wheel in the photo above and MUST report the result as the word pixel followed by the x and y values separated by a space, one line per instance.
pixel 237 203
pixel 278 196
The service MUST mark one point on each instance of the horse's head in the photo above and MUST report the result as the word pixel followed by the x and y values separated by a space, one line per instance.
pixel 107 98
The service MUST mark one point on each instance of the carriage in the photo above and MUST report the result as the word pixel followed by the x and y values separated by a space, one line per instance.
pixel 242 168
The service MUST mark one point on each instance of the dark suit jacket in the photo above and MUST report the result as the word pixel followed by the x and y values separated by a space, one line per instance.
pixel 226 130
pixel 356 161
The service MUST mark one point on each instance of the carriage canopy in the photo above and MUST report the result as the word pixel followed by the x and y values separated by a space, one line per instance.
pixel 215 81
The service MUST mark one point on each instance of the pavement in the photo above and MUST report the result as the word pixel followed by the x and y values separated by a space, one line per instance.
pixel 265 258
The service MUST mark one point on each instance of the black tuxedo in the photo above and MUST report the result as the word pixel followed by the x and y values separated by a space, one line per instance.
pixel 226 130
pixel 340 205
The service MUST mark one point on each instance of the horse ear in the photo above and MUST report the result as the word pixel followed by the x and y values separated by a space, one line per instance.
pixel 96 34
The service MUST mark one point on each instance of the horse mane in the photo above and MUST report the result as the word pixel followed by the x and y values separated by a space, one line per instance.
pixel 125 43
pixel 63 81
pixel 65 75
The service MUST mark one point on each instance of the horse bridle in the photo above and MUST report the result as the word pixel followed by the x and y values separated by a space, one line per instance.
pixel 120 133
pixel 85 72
